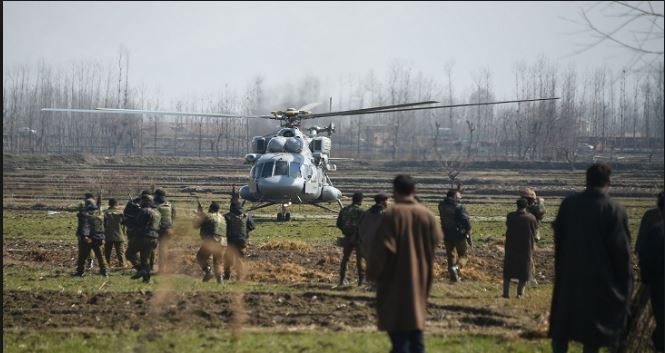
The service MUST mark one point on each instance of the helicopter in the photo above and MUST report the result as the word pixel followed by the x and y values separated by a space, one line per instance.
pixel 291 166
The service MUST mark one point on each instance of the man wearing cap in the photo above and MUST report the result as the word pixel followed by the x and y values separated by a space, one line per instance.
pixel 456 228
pixel 114 229
pixel 238 226
pixel 213 241
pixel 90 237
pixel 167 210
pixel 347 221
pixel 520 236
pixel 536 206
pixel 145 241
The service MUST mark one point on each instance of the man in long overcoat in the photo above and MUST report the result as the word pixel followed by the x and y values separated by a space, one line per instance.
pixel 520 236
pixel 593 273
pixel 402 263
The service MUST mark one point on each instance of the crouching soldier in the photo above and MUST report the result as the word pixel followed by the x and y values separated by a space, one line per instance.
pixel 145 239
pixel 238 226
pixel 115 233
pixel 90 237
pixel 213 241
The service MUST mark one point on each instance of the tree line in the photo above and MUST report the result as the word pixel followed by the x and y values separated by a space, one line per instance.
pixel 600 111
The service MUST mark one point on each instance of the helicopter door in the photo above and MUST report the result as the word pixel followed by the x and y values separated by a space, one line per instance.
pixel 311 180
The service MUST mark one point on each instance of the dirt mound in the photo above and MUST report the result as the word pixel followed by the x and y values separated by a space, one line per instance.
pixel 286 245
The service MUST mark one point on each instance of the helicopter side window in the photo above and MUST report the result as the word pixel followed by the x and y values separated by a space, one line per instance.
pixel 282 168
pixel 294 170
pixel 266 172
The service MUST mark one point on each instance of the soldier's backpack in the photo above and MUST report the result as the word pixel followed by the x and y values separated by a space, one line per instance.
pixel 348 220
pixel 96 227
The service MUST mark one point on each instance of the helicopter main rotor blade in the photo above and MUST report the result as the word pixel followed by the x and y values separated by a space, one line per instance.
pixel 156 112
pixel 365 110
pixel 454 106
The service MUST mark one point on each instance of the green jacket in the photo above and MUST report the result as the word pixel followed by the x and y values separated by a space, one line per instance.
pixel 348 219
pixel 113 225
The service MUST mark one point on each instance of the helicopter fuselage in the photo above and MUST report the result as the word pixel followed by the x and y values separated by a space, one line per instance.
pixel 285 169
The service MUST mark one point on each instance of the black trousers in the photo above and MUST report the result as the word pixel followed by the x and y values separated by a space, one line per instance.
pixel 407 341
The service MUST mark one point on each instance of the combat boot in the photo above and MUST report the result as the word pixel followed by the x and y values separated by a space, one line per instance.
pixel 454 274
pixel 207 275
pixel 79 274
pixel 227 275
pixel 104 272
pixel 138 274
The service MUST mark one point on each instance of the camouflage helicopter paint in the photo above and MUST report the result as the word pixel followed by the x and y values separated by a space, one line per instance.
pixel 289 166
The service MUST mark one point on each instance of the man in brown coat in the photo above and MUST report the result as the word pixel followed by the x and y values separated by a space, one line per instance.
pixel 592 268
pixel 520 236
pixel 401 264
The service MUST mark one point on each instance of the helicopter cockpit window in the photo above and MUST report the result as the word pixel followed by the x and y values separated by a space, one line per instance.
pixel 282 168
pixel 294 170
pixel 266 172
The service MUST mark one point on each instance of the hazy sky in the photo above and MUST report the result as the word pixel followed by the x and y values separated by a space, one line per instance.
pixel 193 48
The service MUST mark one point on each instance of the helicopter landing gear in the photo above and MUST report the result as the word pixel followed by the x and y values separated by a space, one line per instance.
pixel 284 215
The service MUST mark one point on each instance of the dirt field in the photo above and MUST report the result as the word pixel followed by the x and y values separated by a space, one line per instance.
pixel 292 268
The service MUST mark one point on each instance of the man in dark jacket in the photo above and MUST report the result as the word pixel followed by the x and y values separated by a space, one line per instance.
pixel 593 274
pixel 403 258
pixel 91 237
pixel 456 232
pixel 145 241
pixel 520 238
pixel 238 226
pixel 348 221
pixel 652 266
pixel 369 222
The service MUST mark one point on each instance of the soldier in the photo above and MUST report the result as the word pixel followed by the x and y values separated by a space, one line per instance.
pixel 168 213
pixel 238 226
pixel 456 232
pixel 130 214
pixel 593 275
pixel 213 241
pixel 145 238
pixel 91 237
pixel 520 238
pixel 369 222
pixel 347 221
pixel 114 228
pixel 90 198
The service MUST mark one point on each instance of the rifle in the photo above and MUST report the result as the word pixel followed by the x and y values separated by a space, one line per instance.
pixel 99 203
pixel 200 207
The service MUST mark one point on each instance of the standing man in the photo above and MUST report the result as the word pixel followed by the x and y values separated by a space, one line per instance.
pixel 213 241
pixel 401 264
pixel 456 232
pixel 145 241
pixel 167 211
pixel 520 237
pixel 238 226
pixel 114 229
pixel 369 222
pixel 91 237
pixel 88 198
pixel 347 221
pixel 651 248
pixel 593 273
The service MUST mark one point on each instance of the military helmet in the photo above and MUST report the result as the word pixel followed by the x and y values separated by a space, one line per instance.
pixel 528 193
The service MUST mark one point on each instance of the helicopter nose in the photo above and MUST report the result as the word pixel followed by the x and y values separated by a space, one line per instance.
pixel 279 187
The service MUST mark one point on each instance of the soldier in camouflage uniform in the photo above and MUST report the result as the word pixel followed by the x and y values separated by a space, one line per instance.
pixel 115 233
pixel 347 221
pixel 238 226
pixel 456 232
pixel 90 198
pixel 90 237
pixel 167 211
pixel 130 214
pixel 213 241
pixel 145 240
